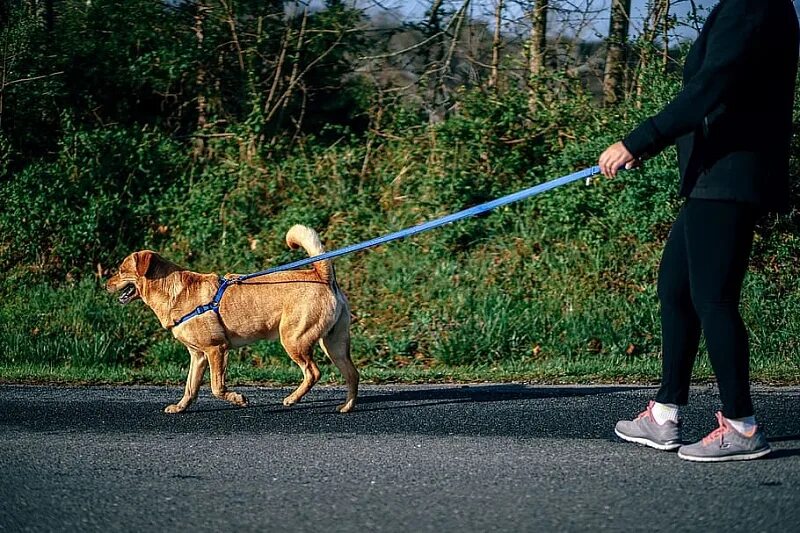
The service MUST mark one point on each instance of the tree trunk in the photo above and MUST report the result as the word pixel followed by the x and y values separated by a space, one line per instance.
pixel 441 94
pixel 538 44
pixel 496 44
pixel 537 49
pixel 657 20
pixel 616 54
pixel 434 24
pixel 666 27
pixel 435 55
pixel 200 79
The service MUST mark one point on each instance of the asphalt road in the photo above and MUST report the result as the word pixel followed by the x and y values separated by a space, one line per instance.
pixel 410 458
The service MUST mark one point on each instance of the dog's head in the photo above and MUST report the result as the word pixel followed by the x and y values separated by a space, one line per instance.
pixel 132 275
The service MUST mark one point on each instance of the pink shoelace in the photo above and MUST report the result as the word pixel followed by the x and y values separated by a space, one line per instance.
pixel 647 412
pixel 719 432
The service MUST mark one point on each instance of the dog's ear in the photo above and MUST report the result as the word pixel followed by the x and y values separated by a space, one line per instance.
pixel 142 262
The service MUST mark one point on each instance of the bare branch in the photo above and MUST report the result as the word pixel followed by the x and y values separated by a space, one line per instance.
pixel 232 24
pixel 23 80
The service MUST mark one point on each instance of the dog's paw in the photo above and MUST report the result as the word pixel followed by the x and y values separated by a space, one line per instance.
pixel 174 408
pixel 289 401
pixel 346 407
pixel 237 399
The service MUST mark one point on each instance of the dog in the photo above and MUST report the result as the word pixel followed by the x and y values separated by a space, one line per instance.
pixel 299 307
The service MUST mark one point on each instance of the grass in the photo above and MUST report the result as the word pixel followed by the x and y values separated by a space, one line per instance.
pixel 536 306
pixel 557 289
pixel 458 336
pixel 638 370
pixel 556 370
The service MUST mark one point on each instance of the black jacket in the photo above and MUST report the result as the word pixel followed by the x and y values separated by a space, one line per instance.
pixel 732 120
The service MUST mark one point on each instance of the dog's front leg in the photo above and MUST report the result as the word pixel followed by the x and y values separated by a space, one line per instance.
pixel 197 367
pixel 218 361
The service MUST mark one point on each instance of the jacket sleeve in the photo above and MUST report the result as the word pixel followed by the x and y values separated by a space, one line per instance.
pixel 731 42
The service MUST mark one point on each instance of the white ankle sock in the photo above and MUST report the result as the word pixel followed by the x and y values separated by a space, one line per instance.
pixel 665 411
pixel 744 425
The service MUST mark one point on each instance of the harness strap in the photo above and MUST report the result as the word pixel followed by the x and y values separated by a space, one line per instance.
pixel 213 305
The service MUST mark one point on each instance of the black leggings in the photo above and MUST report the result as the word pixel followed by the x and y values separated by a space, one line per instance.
pixel 699 286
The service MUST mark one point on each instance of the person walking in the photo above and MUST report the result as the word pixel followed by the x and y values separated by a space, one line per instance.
pixel 732 124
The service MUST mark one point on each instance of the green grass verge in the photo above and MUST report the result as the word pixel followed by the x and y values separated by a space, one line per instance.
pixel 570 315
pixel 554 370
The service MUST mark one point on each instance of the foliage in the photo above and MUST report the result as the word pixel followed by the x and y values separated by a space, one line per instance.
pixel 97 200
pixel 109 157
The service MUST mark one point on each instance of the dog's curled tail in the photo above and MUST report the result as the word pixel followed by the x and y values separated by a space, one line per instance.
pixel 299 235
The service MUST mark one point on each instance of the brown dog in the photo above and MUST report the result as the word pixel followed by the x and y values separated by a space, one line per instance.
pixel 300 307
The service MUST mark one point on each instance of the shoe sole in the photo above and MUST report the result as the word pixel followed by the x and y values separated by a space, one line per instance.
pixel 723 458
pixel 667 447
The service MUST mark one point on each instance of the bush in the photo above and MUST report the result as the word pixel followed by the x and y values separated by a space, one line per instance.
pixel 99 200
pixel 568 274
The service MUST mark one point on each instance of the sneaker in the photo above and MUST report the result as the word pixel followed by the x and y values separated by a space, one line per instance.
pixel 726 444
pixel 645 430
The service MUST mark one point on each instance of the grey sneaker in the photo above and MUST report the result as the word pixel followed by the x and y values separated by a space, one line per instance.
pixel 726 444
pixel 645 430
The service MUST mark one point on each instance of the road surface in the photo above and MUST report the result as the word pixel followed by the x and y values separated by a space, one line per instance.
pixel 491 457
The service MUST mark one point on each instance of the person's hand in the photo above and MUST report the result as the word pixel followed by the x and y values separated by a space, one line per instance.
pixel 614 158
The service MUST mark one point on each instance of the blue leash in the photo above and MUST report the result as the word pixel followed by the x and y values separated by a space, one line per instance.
pixel 584 174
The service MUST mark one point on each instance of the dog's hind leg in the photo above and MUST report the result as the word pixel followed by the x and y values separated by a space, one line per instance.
pixel 197 367
pixel 336 345
pixel 218 361
pixel 300 352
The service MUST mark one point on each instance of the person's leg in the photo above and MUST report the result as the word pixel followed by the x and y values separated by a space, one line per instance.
pixel 719 237
pixel 680 325
pixel 658 425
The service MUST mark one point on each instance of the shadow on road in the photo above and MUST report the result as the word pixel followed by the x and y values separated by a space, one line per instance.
pixel 486 410
pixel 417 398
pixel 493 410
pixel 784 454
pixel 784 438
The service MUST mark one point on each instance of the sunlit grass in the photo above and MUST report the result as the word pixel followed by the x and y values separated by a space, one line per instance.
pixel 572 314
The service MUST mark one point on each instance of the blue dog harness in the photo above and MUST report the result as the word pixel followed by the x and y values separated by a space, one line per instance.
pixel 213 305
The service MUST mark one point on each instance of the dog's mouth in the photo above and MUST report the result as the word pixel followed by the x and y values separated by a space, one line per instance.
pixel 129 292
